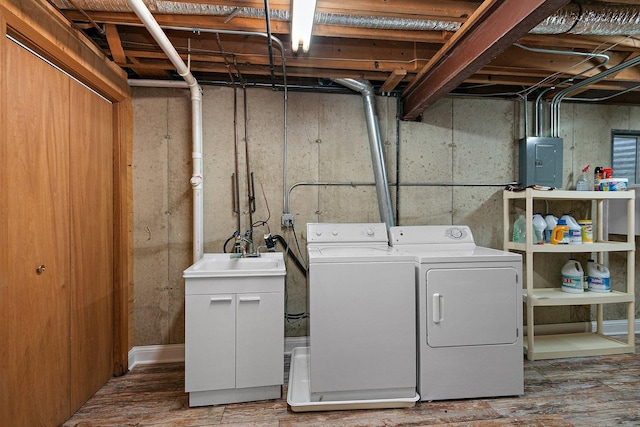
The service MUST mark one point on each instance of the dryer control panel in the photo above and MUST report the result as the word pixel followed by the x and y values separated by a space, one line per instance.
pixel 430 234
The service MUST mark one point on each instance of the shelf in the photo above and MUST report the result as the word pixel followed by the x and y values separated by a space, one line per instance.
pixel 575 345
pixel 569 195
pixel 584 344
pixel 587 247
pixel 545 297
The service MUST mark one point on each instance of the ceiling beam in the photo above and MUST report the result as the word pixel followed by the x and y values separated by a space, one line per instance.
pixel 498 29
pixel 115 45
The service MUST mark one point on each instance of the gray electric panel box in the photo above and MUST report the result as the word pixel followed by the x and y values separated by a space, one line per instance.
pixel 540 161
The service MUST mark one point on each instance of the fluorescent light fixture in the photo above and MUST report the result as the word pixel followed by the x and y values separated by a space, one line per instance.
pixel 302 14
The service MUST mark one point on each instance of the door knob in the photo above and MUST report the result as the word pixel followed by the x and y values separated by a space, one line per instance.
pixel 40 269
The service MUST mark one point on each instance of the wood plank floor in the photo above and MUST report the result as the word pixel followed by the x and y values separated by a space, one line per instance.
pixel 591 391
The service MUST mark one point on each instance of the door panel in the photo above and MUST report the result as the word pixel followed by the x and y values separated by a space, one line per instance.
pixel 210 330
pixel 91 196
pixel 259 339
pixel 35 307
pixel 471 306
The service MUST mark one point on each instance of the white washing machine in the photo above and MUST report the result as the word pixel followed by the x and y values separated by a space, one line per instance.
pixel 469 304
pixel 362 315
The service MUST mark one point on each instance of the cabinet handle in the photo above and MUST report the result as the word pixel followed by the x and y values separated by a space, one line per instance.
pixel 219 300
pixel 437 309
pixel 40 269
pixel 249 299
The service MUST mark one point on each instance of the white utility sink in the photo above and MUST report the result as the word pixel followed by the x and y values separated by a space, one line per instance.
pixel 223 265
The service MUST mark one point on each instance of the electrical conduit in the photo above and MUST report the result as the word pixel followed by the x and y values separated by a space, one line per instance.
pixel 160 37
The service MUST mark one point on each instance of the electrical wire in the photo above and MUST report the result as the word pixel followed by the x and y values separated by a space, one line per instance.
pixel 266 221
pixel 295 236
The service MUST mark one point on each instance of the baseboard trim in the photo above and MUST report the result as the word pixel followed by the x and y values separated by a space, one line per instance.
pixel 616 327
pixel 171 353
pixel 152 354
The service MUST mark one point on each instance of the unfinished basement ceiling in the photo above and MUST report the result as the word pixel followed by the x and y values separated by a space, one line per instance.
pixel 421 50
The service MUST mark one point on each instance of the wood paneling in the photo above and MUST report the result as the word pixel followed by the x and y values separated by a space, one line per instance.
pixel 91 193
pixel 35 307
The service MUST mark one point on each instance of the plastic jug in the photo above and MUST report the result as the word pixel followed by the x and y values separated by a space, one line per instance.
pixel 575 230
pixel 539 225
pixel 520 230
pixel 598 277
pixel 560 234
pixel 572 275
pixel 551 221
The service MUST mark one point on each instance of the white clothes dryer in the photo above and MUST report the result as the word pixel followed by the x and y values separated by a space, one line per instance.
pixel 469 304
pixel 362 315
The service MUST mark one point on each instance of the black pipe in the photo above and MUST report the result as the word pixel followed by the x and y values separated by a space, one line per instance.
pixel 267 13
pixel 288 251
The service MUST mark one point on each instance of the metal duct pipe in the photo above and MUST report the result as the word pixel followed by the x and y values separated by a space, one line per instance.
pixel 375 144
pixel 557 99
pixel 605 20
pixel 160 37
pixel 572 19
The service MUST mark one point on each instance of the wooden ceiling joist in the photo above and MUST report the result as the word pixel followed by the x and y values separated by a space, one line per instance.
pixel 500 27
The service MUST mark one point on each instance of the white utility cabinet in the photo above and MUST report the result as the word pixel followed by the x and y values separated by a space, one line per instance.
pixel 234 329
pixel 575 344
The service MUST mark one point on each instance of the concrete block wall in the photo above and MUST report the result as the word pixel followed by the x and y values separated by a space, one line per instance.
pixel 458 140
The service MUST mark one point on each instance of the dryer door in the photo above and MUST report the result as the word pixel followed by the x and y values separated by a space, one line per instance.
pixel 472 306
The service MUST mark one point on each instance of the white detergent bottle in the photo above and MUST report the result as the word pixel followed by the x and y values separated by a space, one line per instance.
pixel 598 277
pixel 539 225
pixel 572 274
pixel 575 230
pixel 551 221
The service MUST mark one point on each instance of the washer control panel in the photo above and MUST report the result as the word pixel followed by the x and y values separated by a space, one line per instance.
pixel 347 233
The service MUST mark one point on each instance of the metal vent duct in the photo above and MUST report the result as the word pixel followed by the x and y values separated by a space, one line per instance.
pixel 605 20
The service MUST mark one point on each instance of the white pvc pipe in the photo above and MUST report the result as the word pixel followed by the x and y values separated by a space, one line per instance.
pixel 179 84
pixel 160 37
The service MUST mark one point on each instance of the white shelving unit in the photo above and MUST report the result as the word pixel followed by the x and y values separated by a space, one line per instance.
pixel 580 344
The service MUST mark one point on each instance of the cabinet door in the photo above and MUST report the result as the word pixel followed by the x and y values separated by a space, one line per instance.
pixel 91 198
pixel 210 342
pixel 259 339
pixel 34 218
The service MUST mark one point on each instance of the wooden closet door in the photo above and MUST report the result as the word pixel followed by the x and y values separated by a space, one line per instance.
pixel 91 193
pixel 34 305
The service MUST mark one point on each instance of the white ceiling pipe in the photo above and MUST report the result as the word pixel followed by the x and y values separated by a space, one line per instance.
pixel 196 119
pixel 178 84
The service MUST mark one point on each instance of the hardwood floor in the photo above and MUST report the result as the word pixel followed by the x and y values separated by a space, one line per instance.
pixel 590 391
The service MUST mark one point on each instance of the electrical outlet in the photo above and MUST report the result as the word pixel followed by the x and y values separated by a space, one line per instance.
pixel 288 219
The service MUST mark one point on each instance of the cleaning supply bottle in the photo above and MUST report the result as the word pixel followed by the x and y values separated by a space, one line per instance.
pixel 598 277
pixel 575 231
pixel 539 225
pixel 597 176
pixel 582 184
pixel 572 274
pixel 520 230
pixel 586 226
pixel 560 234
pixel 551 221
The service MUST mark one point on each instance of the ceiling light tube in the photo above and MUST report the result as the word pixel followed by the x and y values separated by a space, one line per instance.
pixel 302 14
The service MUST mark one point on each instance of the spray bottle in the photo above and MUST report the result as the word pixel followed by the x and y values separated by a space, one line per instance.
pixel 582 184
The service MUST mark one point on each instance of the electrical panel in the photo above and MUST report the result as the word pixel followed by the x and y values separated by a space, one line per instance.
pixel 540 161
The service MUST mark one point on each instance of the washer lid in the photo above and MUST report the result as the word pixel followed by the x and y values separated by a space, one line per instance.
pixel 350 253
